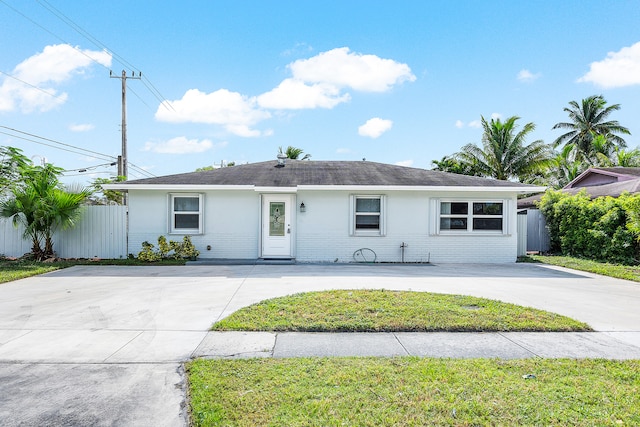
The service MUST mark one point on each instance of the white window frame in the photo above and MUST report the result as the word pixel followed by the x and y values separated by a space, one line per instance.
pixel 173 213
pixel 381 231
pixel 469 216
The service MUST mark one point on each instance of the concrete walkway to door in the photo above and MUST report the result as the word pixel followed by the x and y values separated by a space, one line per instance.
pixel 96 345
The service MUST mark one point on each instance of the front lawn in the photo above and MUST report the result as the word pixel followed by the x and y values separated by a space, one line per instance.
pixel 391 311
pixel 20 269
pixel 627 272
pixel 413 391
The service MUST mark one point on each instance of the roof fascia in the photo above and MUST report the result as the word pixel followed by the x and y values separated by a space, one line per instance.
pixel 438 188
pixel 276 189
pixel 175 187
pixel 443 188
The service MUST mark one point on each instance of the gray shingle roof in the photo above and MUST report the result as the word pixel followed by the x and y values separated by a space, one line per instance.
pixel 302 172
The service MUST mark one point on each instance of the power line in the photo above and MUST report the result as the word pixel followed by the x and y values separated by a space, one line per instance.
pixel 84 33
pixel 95 153
pixel 33 86
pixel 142 171
pixel 42 143
pixel 77 49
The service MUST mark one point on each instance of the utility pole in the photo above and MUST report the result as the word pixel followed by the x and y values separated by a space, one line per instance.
pixel 122 164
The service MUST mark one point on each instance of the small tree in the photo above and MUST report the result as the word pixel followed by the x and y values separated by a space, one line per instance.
pixel 12 161
pixel 105 197
pixel 42 206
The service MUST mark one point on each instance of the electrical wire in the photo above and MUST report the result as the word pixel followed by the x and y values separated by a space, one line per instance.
pixel 95 153
pixel 33 86
pixel 60 15
pixel 49 145
pixel 77 49
pixel 141 170
pixel 84 33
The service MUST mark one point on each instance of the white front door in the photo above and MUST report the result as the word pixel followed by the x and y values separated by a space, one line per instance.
pixel 276 225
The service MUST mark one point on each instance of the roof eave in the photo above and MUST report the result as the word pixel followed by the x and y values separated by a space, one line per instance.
pixel 437 188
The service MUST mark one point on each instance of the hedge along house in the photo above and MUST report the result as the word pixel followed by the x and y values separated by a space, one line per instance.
pixel 325 211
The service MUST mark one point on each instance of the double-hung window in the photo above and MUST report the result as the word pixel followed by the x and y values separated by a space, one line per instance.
pixel 186 213
pixel 471 216
pixel 367 215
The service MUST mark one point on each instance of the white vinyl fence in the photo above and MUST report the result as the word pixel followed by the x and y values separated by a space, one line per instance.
pixel 101 233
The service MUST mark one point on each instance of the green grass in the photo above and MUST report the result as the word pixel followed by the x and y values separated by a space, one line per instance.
pixel 627 272
pixel 387 311
pixel 20 269
pixel 413 392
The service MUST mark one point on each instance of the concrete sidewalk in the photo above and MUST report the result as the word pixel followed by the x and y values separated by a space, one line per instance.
pixel 503 345
pixel 105 345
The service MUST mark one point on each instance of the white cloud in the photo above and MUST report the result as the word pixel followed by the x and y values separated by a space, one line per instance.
pixel 527 76
pixel 618 69
pixel 475 124
pixel 81 127
pixel 179 145
pixel 295 94
pixel 33 87
pixel 343 150
pixel 496 116
pixel 319 81
pixel 375 127
pixel 342 68
pixel 237 113
pixel 459 124
pixel 407 163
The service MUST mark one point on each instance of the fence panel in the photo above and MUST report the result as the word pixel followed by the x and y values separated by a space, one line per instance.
pixel 522 233
pixel 101 232
pixel 537 233
pixel 11 241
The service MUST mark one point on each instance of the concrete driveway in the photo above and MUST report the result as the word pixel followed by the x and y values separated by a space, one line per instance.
pixel 94 345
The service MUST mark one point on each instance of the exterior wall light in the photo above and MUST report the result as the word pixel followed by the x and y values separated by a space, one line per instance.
pixel 303 208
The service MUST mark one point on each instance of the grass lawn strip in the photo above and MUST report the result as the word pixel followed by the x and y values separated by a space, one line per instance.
pixel 20 269
pixel 391 311
pixel 627 272
pixel 413 391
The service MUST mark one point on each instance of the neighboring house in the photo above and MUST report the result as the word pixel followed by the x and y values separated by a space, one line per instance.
pixel 325 211
pixel 597 182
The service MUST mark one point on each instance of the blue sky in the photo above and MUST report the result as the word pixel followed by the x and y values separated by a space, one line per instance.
pixel 401 82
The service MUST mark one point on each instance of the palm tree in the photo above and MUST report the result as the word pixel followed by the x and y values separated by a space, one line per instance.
pixel 42 206
pixel 587 121
pixel 621 157
pixel 504 154
pixel 563 169
pixel 294 153
pixel 452 165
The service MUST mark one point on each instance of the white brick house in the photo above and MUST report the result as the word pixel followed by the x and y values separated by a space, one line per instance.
pixel 325 211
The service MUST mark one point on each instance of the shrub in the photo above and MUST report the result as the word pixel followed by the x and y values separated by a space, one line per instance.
pixel 147 253
pixel 168 250
pixel 605 229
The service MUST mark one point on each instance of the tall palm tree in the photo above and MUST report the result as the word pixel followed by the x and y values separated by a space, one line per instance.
pixel 294 153
pixel 587 121
pixel 504 154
